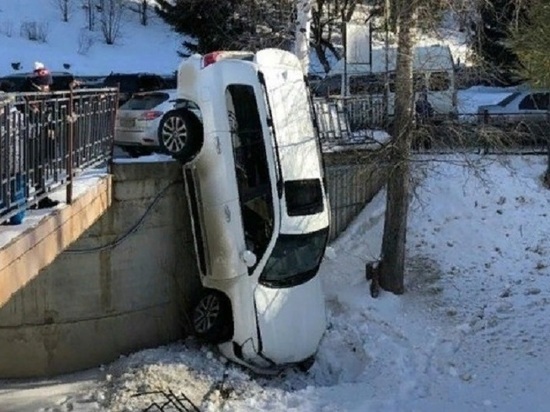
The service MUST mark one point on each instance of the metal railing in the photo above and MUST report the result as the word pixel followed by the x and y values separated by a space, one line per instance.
pixel 349 120
pixel 46 139
pixel 342 119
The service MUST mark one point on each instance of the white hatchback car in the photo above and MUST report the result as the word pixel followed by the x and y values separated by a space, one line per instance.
pixel 243 127
pixel 137 121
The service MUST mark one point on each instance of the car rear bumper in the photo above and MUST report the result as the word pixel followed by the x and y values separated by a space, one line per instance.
pixel 133 138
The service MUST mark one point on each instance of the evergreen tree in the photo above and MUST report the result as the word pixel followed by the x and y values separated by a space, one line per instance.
pixel 491 35
pixel 212 23
pixel 230 24
pixel 530 43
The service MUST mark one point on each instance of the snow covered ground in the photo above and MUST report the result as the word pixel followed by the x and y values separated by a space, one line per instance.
pixel 471 332
pixel 152 48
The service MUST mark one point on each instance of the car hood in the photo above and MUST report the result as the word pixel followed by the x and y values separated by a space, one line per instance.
pixel 291 321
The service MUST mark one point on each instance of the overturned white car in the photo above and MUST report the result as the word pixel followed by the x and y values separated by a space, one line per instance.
pixel 243 128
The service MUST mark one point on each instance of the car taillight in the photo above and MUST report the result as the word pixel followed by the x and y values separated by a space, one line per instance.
pixel 210 58
pixel 151 115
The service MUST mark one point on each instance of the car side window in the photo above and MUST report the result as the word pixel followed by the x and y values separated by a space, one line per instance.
pixel 542 101
pixel 439 81
pixel 367 84
pixel 251 167
pixel 535 101
pixel 329 86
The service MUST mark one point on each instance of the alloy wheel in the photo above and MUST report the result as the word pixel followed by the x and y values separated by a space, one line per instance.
pixel 174 134
pixel 206 313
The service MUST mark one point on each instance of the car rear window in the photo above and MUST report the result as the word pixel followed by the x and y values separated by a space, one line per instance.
pixel 303 197
pixel 145 101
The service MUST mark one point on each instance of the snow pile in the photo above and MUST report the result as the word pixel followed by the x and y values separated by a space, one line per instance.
pixel 470 333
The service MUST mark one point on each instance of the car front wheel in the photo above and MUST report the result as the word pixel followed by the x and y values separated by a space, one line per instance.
pixel 212 319
pixel 180 135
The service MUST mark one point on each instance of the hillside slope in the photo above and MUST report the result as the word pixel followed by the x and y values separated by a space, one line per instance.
pixel 138 48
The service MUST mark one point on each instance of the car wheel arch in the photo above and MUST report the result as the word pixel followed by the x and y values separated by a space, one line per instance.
pixel 213 328
pixel 174 143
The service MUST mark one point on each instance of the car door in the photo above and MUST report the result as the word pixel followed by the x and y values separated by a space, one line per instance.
pixel 533 108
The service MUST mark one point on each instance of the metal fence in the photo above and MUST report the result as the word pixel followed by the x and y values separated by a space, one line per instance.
pixel 342 119
pixel 350 187
pixel 351 120
pixel 46 139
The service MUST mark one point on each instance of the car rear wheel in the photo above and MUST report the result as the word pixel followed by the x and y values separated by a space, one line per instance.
pixel 180 135
pixel 212 320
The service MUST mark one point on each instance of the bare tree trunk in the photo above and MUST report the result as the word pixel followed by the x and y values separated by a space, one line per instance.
pixel 144 16
pixel 392 265
pixel 303 32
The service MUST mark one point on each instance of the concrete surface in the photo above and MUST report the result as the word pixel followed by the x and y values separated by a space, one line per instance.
pixel 122 286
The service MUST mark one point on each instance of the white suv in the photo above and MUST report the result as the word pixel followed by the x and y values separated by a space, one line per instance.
pixel 243 128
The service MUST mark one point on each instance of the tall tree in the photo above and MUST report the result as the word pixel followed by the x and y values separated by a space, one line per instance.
pixel 491 35
pixel 392 264
pixel 303 33
pixel 530 40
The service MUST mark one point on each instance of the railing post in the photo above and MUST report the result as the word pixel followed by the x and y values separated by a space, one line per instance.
pixel 113 127
pixel 70 138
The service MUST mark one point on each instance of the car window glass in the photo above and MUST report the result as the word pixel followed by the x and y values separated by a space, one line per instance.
pixel 508 99
pixel 541 101
pixel 528 103
pixel 439 81
pixel 332 85
pixel 251 167
pixel 419 81
pixel 303 197
pixel 366 84
pixel 294 259
pixel 145 101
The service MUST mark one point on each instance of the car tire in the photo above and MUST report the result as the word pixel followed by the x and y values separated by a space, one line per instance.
pixel 212 318
pixel 180 135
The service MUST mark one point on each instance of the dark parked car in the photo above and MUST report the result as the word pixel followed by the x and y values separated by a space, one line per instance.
pixel 17 82
pixel 130 83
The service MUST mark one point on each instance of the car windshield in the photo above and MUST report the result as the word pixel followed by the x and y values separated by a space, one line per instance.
pixel 145 101
pixel 294 260
pixel 508 99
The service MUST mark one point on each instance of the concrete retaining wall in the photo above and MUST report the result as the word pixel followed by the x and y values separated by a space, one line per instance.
pixel 102 300
pixel 127 282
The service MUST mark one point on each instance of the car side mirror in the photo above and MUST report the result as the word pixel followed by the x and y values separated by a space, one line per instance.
pixel 249 258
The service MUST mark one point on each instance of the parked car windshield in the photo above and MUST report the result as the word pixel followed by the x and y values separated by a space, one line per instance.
pixel 145 101
pixel 294 260
pixel 508 99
